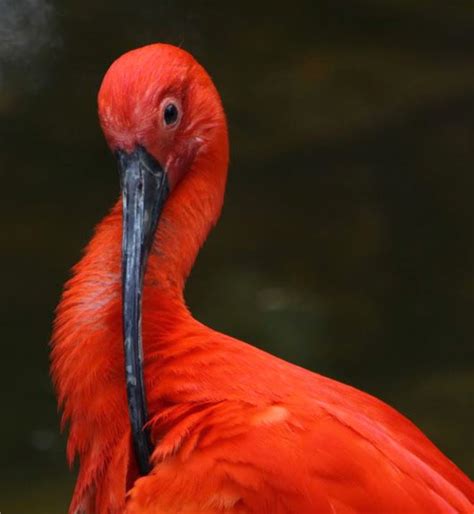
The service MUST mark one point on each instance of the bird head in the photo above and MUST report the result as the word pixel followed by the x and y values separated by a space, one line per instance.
pixel 161 99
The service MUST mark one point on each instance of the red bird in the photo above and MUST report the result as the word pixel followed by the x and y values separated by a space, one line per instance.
pixel 168 416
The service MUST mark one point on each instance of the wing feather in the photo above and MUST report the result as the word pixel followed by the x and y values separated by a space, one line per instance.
pixel 304 457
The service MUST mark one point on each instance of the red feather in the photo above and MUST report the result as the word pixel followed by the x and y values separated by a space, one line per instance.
pixel 234 429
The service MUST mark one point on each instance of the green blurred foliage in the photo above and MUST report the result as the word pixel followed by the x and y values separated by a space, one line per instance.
pixel 346 243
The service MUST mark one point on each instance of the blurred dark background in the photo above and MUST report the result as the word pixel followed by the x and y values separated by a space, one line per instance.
pixel 346 243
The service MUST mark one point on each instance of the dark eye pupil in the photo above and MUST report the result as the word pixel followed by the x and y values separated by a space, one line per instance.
pixel 171 114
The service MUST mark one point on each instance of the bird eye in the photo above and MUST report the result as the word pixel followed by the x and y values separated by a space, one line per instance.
pixel 170 114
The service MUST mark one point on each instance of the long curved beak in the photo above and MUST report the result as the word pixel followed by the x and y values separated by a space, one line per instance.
pixel 144 191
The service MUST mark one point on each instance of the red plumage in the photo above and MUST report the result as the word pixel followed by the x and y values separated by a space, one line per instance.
pixel 234 429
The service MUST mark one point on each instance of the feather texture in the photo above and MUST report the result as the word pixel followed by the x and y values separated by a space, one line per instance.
pixel 235 430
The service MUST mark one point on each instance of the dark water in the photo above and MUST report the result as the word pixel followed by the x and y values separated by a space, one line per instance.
pixel 346 243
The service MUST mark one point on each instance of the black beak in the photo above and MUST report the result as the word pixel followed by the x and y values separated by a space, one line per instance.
pixel 144 191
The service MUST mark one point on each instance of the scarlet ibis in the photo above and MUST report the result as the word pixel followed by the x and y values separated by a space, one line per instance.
pixel 169 416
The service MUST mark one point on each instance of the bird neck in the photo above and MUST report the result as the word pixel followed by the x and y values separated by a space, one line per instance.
pixel 189 214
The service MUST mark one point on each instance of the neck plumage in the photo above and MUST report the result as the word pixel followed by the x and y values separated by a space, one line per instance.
pixel 87 353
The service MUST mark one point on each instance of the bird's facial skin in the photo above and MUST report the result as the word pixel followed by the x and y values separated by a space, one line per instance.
pixel 161 101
